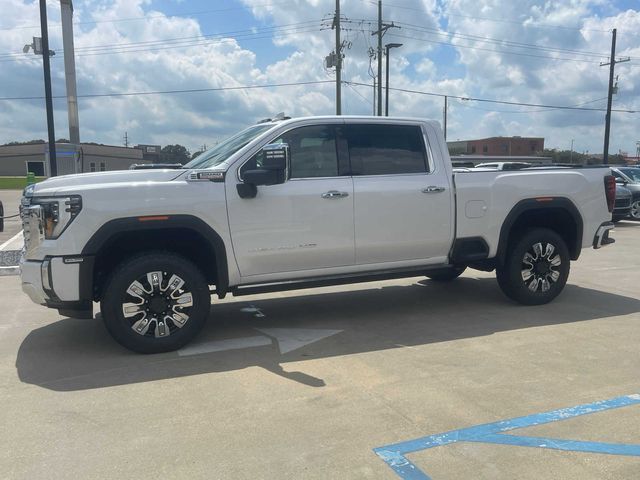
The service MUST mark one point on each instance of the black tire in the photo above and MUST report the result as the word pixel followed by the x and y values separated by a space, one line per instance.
pixel 635 210
pixel 162 296
pixel 552 268
pixel 446 274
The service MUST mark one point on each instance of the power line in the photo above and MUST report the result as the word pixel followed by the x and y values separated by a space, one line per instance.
pixel 186 45
pixel 463 104
pixel 505 52
pixel 191 90
pixel 511 21
pixel 502 102
pixel 503 42
pixel 489 40
pixel 197 38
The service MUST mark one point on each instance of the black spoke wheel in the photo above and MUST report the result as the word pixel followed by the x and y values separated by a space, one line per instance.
pixel 635 210
pixel 155 302
pixel 536 267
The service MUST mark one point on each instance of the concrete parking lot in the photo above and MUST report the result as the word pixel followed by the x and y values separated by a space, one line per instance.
pixel 10 201
pixel 307 384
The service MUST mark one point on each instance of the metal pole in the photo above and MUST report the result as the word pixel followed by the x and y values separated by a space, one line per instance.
pixel 66 10
pixel 571 154
pixel 607 125
pixel 375 92
pixel 379 58
pixel 338 61
pixel 386 88
pixel 53 168
pixel 47 88
pixel 445 117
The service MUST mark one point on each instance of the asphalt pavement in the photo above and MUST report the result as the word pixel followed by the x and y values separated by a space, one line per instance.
pixel 361 381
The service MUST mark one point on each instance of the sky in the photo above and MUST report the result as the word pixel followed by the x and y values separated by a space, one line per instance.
pixel 530 51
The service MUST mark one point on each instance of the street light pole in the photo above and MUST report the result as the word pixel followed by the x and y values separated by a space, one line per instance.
pixel 571 154
pixel 388 47
pixel 53 166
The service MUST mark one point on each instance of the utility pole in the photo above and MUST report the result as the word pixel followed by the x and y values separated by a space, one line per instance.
pixel 388 47
pixel 382 28
pixel 47 88
pixel 612 65
pixel 380 58
pixel 336 25
pixel 66 15
pixel 375 91
pixel 445 117
pixel 571 154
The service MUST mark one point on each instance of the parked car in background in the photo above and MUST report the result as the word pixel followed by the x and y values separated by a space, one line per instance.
pixel 622 208
pixel 155 166
pixel 503 165
pixel 629 177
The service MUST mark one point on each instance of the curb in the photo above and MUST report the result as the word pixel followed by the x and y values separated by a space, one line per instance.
pixel 6 271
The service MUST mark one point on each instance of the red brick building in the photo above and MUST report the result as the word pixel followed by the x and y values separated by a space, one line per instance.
pixel 506 146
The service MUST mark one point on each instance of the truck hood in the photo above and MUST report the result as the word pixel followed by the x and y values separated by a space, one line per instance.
pixel 69 184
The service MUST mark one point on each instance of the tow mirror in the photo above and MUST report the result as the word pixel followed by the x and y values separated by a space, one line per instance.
pixel 271 169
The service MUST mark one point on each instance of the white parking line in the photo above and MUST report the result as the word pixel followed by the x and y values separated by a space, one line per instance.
pixel 222 345
pixel 12 239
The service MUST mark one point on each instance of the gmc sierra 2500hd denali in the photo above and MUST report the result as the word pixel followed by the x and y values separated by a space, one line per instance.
pixel 295 204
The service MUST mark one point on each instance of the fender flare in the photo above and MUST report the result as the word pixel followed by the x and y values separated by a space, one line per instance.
pixel 133 224
pixel 533 204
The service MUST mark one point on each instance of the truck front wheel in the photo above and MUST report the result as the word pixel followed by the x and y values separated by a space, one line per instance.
pixel 536 267
pixel 155 302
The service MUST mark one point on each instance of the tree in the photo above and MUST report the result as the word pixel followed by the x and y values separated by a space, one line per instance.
pixel 195 154
pixel 29 142
pixel 174 154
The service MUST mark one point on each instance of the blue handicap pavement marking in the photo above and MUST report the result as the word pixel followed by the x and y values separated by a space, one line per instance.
pixel 396 455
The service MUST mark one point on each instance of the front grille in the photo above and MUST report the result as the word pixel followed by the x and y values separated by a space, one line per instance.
pixel 32 225
pixel 623 202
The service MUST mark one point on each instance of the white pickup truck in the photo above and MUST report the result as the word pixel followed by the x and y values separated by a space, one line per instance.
pixel 296 204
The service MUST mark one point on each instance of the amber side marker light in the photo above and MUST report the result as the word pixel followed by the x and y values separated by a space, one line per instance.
pixel 157 218
pixel 544 199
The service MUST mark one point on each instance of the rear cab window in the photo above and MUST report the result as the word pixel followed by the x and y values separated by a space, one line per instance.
pixel 379 149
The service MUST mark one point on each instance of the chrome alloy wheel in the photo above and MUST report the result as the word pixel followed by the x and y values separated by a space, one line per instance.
pixel 635 210
pixel 540 267
pixel 158 306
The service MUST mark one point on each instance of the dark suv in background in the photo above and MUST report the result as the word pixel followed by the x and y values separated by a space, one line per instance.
pixel 629 177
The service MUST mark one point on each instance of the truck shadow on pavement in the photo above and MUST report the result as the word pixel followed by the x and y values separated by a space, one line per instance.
pixel 73 354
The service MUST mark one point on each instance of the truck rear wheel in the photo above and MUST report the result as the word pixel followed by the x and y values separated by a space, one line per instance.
pixel 155 302
pixel 536 267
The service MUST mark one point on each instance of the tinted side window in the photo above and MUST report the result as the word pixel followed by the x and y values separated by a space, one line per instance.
pixel 386 149
pixel 312 150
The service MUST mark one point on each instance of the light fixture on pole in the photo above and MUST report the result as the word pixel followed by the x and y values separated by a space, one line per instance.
pixel 40 46
pixel 388 47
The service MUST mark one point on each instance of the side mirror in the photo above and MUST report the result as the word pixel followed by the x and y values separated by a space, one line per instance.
pixel 272 167
pixel 620 181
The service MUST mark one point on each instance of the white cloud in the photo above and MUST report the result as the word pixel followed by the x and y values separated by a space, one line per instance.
pixel 196 118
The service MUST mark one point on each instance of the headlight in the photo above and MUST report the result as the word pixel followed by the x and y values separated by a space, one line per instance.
pixel 57 213
pixel 28 191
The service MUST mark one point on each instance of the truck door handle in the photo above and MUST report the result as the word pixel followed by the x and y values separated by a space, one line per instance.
pixel 433 189
pixel 334 194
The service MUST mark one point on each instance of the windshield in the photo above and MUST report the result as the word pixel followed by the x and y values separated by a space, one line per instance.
pixel 632 173
pixel 218 154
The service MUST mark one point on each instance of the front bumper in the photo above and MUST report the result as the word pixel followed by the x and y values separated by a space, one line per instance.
pixel 601 238
pixel 63 283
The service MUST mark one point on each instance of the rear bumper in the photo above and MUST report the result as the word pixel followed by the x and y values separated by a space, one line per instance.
pixel 601 238
pixel 63 283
